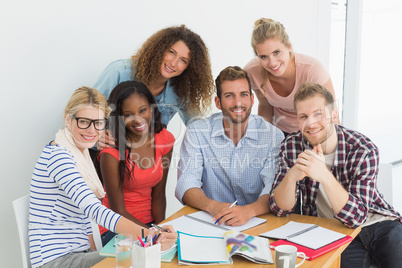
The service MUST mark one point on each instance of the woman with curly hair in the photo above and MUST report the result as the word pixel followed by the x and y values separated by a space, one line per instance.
pixel 174 64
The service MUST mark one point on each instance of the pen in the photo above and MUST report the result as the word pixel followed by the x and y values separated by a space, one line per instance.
pixel 232 205
pixel 139 239
pixel 159 228
pixel 156 238
pixel 159 239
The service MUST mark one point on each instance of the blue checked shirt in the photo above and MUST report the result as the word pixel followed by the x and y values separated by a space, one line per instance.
pixel 226 172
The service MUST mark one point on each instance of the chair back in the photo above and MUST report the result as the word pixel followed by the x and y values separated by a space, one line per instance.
pixel 21 211
pixel 96 235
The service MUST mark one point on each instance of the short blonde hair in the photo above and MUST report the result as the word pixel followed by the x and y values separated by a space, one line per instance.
pixel 86 96
pixel 308 90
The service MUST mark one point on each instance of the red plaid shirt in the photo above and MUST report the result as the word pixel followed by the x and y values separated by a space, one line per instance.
pixel 355 167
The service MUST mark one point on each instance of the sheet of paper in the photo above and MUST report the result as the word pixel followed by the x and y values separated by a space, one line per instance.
pixel 205 216
pixel 286 230
pixel 206 226
pixel 190 226
pixel 316 238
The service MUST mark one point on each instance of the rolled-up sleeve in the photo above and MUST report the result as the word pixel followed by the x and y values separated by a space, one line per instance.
pixel 361 190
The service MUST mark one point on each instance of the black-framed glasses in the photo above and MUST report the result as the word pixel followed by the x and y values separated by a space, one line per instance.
pixel 84 123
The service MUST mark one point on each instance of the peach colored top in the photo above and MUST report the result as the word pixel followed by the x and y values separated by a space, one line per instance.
pixel 307 69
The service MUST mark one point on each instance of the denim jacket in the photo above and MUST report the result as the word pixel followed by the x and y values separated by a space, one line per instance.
pixel 120 70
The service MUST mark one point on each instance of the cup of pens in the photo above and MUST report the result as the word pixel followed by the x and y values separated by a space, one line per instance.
pixel 146 252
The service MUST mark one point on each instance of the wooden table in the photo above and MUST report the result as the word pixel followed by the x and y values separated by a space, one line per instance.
pixel 330 259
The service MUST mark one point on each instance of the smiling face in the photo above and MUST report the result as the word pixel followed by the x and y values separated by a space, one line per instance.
pixel 274 56
pixel 316 120
pixel 85 138
pixel 137 115
pixel 236 101
pixel 175 60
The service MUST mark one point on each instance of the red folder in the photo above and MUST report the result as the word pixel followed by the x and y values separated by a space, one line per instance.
pixel 311 253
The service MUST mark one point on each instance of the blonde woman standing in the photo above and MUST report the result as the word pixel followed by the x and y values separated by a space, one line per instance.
pixel 277 73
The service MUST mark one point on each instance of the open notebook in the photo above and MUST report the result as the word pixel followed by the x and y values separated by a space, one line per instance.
pixel 193 249
pixel 305 234
pixel 202 223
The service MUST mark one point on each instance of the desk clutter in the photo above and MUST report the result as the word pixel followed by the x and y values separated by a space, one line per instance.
pixel 201 241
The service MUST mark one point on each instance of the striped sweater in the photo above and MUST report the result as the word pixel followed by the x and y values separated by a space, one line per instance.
pixel 60 207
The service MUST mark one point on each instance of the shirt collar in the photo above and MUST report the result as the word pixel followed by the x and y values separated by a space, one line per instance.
pixel 217 127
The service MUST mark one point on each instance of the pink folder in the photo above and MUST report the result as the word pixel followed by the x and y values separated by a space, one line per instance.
pixel 311 253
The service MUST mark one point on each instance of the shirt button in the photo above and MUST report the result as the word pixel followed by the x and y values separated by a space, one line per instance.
pixel 171 111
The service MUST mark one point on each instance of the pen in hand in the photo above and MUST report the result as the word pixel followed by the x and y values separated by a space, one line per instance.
pixel 232 205
pixel 159 228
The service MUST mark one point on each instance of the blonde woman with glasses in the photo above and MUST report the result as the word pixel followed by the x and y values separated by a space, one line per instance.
pixel 65 191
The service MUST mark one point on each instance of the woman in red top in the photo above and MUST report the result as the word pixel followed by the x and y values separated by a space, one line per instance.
pixel 134 172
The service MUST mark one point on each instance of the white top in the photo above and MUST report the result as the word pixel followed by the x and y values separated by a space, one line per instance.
pixel 60 207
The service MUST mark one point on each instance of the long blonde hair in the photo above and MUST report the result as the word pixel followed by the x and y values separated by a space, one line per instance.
pixel 265 29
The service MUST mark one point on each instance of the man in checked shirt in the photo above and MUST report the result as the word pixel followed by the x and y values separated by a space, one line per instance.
pixel 335 169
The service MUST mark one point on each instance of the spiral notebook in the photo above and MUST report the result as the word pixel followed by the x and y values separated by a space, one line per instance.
pixel 201 223
pixel 305 234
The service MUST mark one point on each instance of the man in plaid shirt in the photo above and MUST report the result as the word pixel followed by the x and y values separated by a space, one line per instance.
pixel 334 170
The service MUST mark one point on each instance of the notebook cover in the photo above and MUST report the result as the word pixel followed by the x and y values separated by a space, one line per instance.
pixel 310 253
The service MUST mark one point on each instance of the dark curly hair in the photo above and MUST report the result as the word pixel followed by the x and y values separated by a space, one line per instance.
pixel 117 125
pixel 195 86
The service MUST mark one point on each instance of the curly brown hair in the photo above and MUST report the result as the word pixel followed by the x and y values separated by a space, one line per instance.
pixel 195 86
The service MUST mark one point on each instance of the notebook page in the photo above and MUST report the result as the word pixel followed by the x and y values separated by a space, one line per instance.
pixel 286 230
pixel 204 225
pixel 205 216
pixel 191 226
pixel 317 238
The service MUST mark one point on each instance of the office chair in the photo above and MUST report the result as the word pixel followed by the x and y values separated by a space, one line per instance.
pixel 96 235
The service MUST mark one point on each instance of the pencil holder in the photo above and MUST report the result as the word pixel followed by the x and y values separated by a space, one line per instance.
pixel 149 257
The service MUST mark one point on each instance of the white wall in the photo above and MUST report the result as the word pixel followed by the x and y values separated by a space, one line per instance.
pixel 50 48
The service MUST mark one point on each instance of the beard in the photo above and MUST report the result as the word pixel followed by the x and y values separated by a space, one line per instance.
pixel 236 119
pixel 328 131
